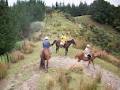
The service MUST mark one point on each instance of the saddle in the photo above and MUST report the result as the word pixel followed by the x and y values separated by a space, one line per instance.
pixel 87 58
pixel 62 44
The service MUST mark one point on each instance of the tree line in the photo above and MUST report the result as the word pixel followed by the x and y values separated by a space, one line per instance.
pixel 101 11
pixel 15 21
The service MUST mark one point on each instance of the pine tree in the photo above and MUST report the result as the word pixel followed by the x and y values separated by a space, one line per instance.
pixel 7 35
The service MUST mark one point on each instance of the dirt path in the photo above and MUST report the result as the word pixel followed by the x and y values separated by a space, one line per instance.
pixel 59 62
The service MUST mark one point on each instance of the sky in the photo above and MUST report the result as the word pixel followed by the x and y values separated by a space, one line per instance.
pixel 76 2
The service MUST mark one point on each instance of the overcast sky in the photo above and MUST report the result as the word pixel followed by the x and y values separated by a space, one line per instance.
pixel 76 2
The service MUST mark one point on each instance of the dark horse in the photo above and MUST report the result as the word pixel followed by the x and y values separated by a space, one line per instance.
pixel 45 56
pixel 66 45
pixel 90 60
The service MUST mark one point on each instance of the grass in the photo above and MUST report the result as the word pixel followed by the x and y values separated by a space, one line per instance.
pixel 29 58
pixel 86 19
pixel 108 66
pixel 61 79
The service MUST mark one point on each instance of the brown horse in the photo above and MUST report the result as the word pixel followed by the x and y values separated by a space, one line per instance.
pixel 81 57
pixel 66 45
pixel 45 56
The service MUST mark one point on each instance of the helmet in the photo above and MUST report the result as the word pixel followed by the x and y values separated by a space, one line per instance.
pixel 88 45
pixel 46 38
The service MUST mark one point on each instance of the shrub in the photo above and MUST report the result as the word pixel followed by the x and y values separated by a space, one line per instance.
pixel 16 56
pixel 18 45
pixel 3 70
pixel 27 47
pixel 37 36
pixel 81 43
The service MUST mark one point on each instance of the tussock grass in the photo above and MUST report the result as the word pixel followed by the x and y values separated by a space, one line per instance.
pixel 27 47
pixel 98 77
pixel 3 70
pixel 16 56
pixel 87 85
pixel 61 79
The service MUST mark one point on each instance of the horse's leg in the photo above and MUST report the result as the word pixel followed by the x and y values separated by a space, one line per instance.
pixel 40 66
pixel 66 51
pixel 57 49
pixel 47 65
pixel 42 63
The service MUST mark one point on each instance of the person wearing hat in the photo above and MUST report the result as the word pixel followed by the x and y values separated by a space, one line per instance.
pixel 46 43
pixel 88 52
pixel 62 39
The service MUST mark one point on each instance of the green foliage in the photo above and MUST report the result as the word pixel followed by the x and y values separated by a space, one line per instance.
pixel 101 11
pixel 105 13
pixel 7 34
pixel 18 45
pixel 5 58
pixel 101 37
pixel 81 9
pixel 25 12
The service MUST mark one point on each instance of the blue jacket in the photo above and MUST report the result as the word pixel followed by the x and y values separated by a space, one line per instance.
pixel 46 44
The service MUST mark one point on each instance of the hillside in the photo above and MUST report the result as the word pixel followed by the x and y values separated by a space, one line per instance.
pixel 64 71
pixel 86 19
pixel 99 34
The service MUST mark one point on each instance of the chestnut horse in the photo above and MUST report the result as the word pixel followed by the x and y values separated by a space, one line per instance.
pixel 45 56
pixel 81 57
pixel 66 45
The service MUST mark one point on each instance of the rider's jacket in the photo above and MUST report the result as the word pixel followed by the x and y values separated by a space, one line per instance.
pixel 87 52
pixel 46 44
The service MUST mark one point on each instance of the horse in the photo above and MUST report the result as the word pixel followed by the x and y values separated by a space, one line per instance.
pixel 45 56
pixel 90 60
pixel 66 45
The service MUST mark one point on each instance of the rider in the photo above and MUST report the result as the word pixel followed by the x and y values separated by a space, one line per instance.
pixel 46 43
pixel 63 39
pixel 88 51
